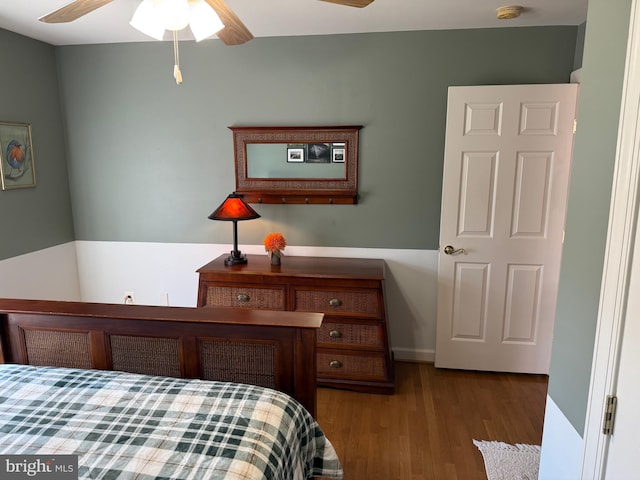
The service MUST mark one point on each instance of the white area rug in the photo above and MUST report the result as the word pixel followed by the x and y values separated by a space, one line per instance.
pixel 503 461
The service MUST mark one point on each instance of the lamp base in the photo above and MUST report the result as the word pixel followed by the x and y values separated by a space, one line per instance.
pixel 236 258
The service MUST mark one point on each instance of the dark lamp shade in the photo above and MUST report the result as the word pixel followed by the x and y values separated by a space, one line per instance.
pixel 234 208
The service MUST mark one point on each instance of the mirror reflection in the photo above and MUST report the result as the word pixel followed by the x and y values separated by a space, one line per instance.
pixel 296 160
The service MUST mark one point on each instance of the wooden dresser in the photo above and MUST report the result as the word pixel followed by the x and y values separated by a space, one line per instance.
pixel 353 344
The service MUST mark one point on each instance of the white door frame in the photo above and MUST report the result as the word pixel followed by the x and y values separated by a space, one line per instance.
pixel 621 234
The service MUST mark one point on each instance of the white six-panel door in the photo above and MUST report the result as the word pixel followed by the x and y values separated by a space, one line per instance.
pixel 506 173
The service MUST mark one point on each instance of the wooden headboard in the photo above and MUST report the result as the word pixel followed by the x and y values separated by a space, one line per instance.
pixel 266 348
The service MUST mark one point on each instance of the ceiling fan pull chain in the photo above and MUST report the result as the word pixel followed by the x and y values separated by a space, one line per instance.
pixel 177 74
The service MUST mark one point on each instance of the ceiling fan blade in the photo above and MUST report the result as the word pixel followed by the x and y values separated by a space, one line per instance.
pixel 234 31
pixel 351 3
pixel 72 11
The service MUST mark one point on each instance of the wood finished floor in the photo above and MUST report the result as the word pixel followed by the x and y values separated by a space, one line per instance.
pixel 425 430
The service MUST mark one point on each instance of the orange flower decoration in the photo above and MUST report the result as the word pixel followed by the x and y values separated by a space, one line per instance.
pixel 274 242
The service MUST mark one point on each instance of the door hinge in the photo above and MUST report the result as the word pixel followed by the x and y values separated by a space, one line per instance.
pixel 575 125
pixel 609 414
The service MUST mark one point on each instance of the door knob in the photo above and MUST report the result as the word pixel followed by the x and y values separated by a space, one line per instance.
pixel 449 250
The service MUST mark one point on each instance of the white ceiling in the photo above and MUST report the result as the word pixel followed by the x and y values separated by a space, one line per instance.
pixel 270 18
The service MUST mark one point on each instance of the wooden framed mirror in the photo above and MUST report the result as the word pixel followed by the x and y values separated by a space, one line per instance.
pixel 297 164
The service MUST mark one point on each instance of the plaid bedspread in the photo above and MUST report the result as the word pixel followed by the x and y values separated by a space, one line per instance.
pixel 135 426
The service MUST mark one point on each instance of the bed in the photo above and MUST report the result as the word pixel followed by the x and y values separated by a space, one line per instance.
pixel 160 392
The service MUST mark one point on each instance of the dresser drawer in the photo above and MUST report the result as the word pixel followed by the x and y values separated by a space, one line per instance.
pixel 352 335
pixel 344 366
pixel 245 297
pixel 351 301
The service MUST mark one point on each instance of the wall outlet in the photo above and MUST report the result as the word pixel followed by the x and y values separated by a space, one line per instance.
pixel 129 298
pixel 164 299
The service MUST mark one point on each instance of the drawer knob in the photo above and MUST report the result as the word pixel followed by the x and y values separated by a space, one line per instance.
pixel 335 334
pixel 243 297
pixel 335 302
pixel 335 364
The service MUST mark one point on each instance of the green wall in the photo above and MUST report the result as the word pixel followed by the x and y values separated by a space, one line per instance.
pixel 34 218
pixel 577 58
pixel 588 208
pixel 150 160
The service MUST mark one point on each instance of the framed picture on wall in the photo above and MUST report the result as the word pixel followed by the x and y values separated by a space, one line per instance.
pixel 17 165
pixel 295 154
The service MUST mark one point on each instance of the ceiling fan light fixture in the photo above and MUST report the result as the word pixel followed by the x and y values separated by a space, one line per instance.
pixel 147 19
pixel 204 21
pixel 175 13
pixel 153 17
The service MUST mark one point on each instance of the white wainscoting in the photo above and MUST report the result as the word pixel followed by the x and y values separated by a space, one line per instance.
pixel 562 445
pixel 155 272
pixel 49 274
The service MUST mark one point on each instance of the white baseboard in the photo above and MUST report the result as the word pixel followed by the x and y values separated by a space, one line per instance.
pixel 414 355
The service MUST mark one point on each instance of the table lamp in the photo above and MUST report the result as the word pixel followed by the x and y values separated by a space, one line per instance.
pixel 234 209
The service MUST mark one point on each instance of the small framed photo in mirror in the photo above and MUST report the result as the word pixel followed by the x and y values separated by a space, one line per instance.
pixel 337 153
pixel 319 153
pixel 295 154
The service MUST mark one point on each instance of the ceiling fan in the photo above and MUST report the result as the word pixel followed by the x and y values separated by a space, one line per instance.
pixel 233 33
